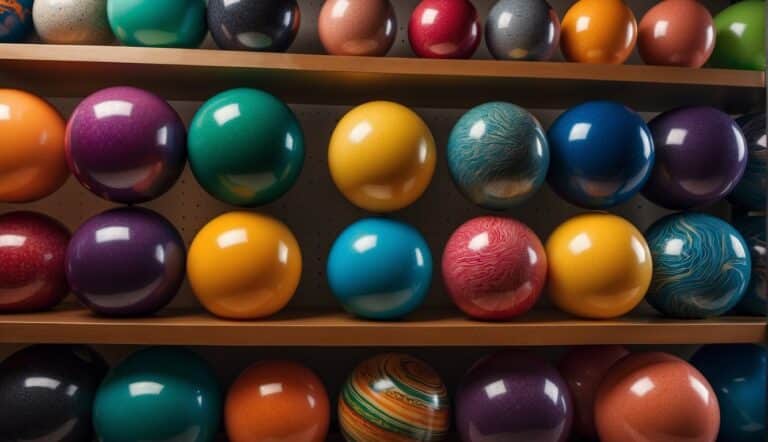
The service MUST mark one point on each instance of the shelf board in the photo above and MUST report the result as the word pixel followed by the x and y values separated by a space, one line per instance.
pixel 197 74
pixel 337 329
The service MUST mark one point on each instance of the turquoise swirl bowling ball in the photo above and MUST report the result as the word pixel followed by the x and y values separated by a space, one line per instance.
pixel 15 20
pixel 754 302
pixel 701 266
pixel 498 155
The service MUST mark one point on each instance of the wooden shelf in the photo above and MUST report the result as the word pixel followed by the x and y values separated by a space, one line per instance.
pixel 196 74
pixel 427 328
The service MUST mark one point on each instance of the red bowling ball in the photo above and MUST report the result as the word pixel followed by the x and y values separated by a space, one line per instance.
pixel 444 29
pixel 32 249
pixel 494 268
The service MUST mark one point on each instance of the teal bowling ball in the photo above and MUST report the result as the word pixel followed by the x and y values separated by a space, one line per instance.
pixel 750 193
pixel 498 155
pixel 158 23
pixel 246 147
pixel 159 394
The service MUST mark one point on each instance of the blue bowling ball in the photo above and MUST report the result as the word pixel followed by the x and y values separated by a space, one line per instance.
pixel 498 155
pixel 380 269
pixel 737 374
pixel 750 193
pixel 752 228
pixel 602 154
pixel 15 20
pixel 701 266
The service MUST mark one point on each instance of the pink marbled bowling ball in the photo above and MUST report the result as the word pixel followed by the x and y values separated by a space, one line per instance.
pixel 494 268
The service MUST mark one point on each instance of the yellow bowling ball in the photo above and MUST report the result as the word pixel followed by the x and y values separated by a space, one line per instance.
pixel 599 266
pixel 244 265
pixel 382 156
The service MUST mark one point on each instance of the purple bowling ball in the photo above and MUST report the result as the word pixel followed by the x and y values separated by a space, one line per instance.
pixel 513 395
pixel 126 262
pixel 126 145
pixel 701 155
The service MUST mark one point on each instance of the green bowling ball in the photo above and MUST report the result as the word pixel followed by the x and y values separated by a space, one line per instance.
pixel 158 23
pixel 740 41
pixel 159 394
pixel 245 147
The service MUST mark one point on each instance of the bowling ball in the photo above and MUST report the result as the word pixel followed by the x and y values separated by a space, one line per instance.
pixel 677 33
pixel 32 250
pixel 246 147
pixel 254 25
pixel 158 394
pixel 602 154
pixel 15 20
pixel 701 266
pixel 126 262
pixel 47 391
pixel 277 401
pixel 498 155
pixel 494 268
pixel 380 269
pixel 362 27
pixel 599 266
pixel 522 30
pixel 166 24
pixel 244 265
pixel 737 375
pixel 740 37
pixel 32 160
pixel 394 397
pixel 701 155
pixel 72 22
pixel 655 397
pixel 382 156
pixel 513 395
pixel 752 229
pixel 583 368
pixel 444 29
pixel 598 31
pixel 750 192
pixel 126 145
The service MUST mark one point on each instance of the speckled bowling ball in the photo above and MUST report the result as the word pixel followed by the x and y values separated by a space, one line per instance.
pixel 750 192
pixel 360 27
pixel 72 22
pixel 752 229
pixel 254 25
pixel 444 29
pixel 498 155
pixel 677 33
pixel 15 20
pixel 740 36
pixel 522 30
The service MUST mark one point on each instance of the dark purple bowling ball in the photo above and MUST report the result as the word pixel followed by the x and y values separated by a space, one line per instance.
pixel 126 144
pixel 701 155
pixel 513 395
pixel 126 262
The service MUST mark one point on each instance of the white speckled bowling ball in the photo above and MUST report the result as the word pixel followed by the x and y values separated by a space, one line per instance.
pixel 72 21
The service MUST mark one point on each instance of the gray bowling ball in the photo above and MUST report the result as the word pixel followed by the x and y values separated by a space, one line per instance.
pixel 522 30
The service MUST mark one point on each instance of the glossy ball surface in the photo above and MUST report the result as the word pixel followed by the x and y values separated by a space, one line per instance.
pixel 393 397
pixel 701 155
pixel 602 154
pixel 72 22
pixel 277 401
pixel 362 27
pixel 599 266
pixel 498 155
pixel 380 269
pixel 126 262
pixel 740 36
pixel 15 20
pixel 656 397
pixel 32 251
pixel 513 395
pixel 494 268
pixel 522 30
pixel 126 145
pixel 47 391
pixel 171 391
pixel 752 229
pixel 32 160
pixel 249 157
pixel 403 149
pixel 701 266
pixel 444 29
pixel 598 31
pixel 677 33
pixel 244 265
pixel 254 25
pixel 166 24
pixel 737 375
pixel 750 192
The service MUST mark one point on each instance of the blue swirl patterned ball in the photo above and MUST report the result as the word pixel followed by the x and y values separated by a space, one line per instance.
pixel 498 155
pixel 701 266
pixel 752 228
pixel 750 193
pixel 15 20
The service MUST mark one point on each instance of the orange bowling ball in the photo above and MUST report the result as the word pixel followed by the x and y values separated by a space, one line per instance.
pixel 598 31
pixel 277 401
pixel 32 161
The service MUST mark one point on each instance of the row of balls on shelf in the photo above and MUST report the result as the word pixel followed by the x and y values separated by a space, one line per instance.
pixel 673 32
pixel 247 148
pixel 61 393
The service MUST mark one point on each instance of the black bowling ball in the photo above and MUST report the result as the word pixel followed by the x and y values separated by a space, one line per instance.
pixel 254 25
